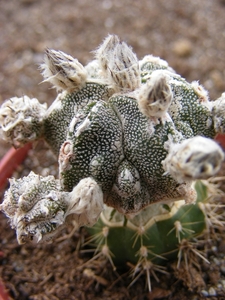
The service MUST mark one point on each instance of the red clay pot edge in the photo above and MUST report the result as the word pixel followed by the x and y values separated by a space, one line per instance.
pixel 10 161
pixel 3 292
pixel 220 138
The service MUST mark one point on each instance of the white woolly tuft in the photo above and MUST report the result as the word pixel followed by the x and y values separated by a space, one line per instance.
pixel 104 51
pixel 156 95
pixel 194 158
pixel 86 202
pixel 63 71
pixel 119 64
pixel 201 92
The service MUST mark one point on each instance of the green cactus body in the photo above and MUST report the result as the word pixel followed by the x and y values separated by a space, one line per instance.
pixel 154 228
pixel 131 136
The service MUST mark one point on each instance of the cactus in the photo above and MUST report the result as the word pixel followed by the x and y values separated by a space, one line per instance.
pixel 135 147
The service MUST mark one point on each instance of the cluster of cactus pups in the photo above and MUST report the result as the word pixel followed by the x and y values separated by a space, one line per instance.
pixel 135 148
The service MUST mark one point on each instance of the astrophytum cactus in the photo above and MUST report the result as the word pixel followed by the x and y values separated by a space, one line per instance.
pixel 133 140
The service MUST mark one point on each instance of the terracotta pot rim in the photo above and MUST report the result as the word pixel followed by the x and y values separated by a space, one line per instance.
pixel 10 161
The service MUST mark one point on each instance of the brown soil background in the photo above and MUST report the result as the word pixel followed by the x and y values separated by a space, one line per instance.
pixel 189 34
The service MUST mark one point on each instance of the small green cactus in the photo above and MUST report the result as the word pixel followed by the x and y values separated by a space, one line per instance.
pixel 134 141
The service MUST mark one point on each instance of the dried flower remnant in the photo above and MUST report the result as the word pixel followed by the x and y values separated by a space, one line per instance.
pixel 105 51
pixel 156 95
pixel 119 64
pixel 63 71
pixel 195 158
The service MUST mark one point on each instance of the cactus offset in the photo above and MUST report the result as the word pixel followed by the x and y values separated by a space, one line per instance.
pixel 131 137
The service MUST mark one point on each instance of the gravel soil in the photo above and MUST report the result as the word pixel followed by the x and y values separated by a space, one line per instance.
pixel 190 35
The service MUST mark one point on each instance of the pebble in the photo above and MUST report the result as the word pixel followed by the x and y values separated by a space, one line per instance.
pixel 219 286
pixel 212 291
pixel 214 249
pixel 204 293
pixel 182 48
pixel 216 261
